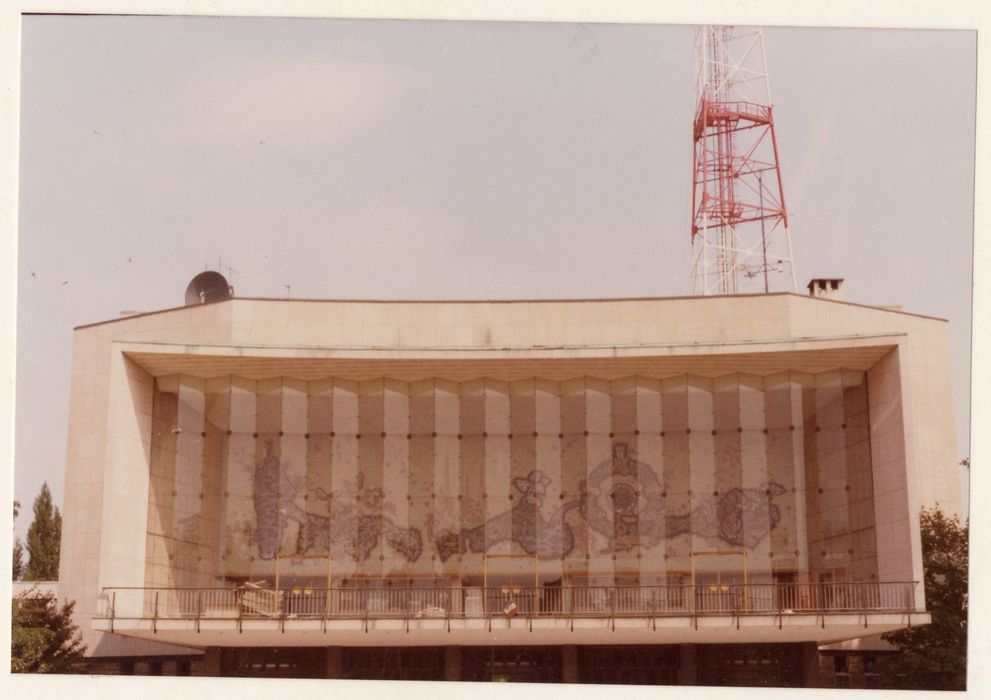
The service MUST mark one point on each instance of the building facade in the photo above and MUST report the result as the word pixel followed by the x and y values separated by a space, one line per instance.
pixel 682 490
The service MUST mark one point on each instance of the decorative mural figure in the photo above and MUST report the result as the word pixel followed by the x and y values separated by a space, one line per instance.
pixel 623 500
pixel 741 517
pixel 522 524
pixel 632 492
pixel 352 523
pixel 267 504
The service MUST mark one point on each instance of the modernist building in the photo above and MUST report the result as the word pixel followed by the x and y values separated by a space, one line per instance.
pixel 672 490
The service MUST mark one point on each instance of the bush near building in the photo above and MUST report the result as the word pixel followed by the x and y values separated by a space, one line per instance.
pixel 43 637
pixel 934 657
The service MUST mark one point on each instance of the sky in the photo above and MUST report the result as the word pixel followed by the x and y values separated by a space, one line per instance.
pixel 453 160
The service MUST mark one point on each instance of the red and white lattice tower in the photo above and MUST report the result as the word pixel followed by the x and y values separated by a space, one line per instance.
pixel 740 240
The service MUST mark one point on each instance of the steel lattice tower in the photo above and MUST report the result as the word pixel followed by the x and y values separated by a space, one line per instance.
pixel 740 240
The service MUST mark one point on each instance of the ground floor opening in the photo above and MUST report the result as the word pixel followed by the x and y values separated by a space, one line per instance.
pixel 761 665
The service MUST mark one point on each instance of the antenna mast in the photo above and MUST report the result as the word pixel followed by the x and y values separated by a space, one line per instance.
pixel 740 239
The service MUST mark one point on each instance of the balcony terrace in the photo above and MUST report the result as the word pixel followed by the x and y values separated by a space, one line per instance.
pixel 256 615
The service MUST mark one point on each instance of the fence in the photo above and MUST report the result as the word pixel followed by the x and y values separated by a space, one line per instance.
pixel 257 601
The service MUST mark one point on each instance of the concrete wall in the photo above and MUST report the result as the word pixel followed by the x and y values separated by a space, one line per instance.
pixel 104 526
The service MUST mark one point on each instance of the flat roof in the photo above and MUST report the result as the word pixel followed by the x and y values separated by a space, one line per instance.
pixel 509 301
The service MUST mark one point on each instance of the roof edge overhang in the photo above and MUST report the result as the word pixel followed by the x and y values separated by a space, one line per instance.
pixel 809 355
pixel 700 299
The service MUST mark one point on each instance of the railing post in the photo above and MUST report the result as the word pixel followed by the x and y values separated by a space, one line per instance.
pixel 154 623
pixel 113 610
pixel 612 607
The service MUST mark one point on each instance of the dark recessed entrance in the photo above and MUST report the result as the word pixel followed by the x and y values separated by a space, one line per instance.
pixel 285 662
pixel 394 663
pixel 763 665
pixel 513 664
pixel 632 665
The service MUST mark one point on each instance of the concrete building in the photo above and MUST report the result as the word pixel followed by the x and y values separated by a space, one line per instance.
pixel 674 490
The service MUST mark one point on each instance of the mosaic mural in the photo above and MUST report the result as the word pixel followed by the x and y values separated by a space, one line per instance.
pixel 632 493
pixel 523 524
pixel 740 517
pixel 352 523
pixel 623 500
pixel 269 497
pixel 788 478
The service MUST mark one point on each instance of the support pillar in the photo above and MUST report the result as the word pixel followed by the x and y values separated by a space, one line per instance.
pixel 452 663
pixel 810 665
pixel 688 664
pixel 334 663
pixel 569 663
pixel 210 664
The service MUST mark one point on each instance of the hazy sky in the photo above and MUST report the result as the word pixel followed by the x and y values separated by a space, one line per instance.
pixel 390 159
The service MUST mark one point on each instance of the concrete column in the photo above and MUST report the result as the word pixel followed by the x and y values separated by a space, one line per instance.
pixel 827 671
pixel 452 663
pixel 810 665
pixel 688 664
pixel 569 663
pixel 855 667
pixel 210 665
pixel 334 663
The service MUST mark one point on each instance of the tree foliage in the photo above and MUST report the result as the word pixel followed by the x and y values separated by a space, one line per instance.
pixel 43 637
pixel 44 539
pixel 17 569
pixel 934 657
pixel 18 565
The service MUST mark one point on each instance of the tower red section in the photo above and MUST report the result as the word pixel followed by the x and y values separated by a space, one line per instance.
pixel 740 223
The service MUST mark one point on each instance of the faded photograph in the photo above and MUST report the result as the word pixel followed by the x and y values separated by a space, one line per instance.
pixel 494 351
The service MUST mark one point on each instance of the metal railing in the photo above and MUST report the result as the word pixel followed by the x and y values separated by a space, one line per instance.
pixel 380 602
pixel 717 111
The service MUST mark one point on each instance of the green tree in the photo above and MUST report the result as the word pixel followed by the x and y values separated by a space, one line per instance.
pixel 934 657
pixel 44 539
pixel 18 568
pixel 43 637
